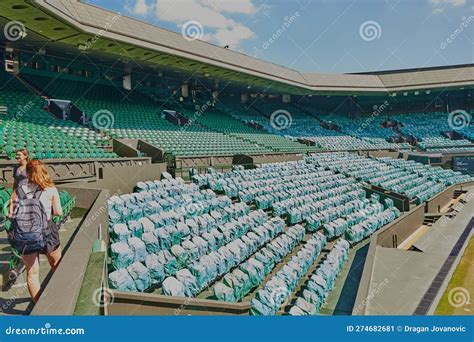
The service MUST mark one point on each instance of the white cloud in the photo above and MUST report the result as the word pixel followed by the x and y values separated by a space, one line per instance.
pixel 140 8
pixel 439 6
pixel 219 28
pixel 231 6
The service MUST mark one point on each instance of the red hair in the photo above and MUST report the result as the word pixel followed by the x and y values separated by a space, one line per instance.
pixel 37 174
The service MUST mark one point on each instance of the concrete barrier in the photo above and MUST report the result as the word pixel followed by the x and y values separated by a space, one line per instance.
pixel 127 303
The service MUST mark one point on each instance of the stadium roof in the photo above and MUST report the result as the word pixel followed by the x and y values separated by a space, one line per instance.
pixel 76 23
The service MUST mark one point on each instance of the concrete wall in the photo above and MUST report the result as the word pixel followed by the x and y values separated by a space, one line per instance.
pixel 401 202
pixel 127 303
pixel 393 233
pixel 253 160
pixel 157 155
pixel 125 147
pixel 122 179
pixel 396 232
pixel 435 203
pixel 66 170
pixel 382 153
pixel 390 237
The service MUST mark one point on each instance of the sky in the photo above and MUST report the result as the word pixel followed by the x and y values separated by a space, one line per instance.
pixel 324 36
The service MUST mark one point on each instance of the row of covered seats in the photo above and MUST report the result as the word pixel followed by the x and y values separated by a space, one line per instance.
pixel 364 226
pixel 450 149
pixel 237 284
pixel 392 174
pixel 316 290
pixel 335 221
pixel 278 289
pixel 436 173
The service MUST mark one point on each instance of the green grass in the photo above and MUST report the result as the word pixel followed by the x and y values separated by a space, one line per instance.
pixel 463 277
pixel 88 296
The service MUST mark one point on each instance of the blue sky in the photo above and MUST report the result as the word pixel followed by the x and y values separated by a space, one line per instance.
pixel 327 36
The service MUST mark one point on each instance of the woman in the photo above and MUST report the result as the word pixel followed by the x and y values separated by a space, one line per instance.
pixel 19 172
pixel 19 179
pixel 40 181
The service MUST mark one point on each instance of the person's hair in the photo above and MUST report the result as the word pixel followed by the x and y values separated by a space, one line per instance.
pixel 37 174
pixel 25 152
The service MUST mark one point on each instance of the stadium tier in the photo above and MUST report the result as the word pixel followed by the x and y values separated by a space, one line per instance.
pixel 227 128
pixel 135 116
pixel 296 123
pixel 220 121
pixel 26 124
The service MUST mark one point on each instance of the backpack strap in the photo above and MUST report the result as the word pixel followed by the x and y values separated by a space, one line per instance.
pixel 20 193
pixel 37 191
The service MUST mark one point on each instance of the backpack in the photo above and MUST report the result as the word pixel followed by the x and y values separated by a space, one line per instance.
pixel 29 223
